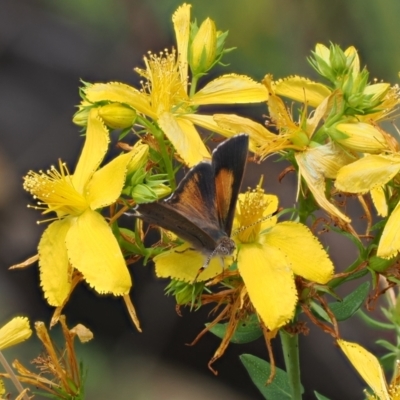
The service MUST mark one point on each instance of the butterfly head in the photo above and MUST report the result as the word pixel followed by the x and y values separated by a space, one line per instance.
pixel 225 247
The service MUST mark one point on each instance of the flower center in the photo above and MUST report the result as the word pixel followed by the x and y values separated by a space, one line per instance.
pixel 164 83
pixel 250 215
pixel 55 191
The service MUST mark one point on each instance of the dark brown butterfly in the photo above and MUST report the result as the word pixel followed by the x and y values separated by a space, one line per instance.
pixel 201 209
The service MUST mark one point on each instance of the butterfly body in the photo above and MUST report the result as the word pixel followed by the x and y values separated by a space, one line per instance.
pixel 201 209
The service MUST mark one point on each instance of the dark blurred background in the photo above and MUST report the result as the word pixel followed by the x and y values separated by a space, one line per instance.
pixel 46 47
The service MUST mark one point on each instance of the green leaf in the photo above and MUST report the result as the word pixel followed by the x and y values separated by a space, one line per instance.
pixel 351 303
pixel 320 396
pixel 247 330
pixel 259 371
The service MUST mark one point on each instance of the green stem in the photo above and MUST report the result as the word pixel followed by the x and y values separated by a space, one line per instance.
pixel 14 379
pixel 193 85
pixel 290 347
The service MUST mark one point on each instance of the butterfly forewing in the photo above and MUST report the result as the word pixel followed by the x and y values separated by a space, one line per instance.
pixel 229 161
pixel 201 209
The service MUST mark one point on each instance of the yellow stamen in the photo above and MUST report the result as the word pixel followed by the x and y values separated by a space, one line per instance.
pixel 55 191
pixel 164 83
pixel 250 216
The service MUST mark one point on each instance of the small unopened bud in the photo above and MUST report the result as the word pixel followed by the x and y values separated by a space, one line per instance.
pixel 203 50
pixel 117 116
pixel 140 153
pixel 362 137
pixel 80 118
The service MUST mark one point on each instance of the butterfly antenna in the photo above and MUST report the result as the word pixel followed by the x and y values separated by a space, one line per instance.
pixel 243 228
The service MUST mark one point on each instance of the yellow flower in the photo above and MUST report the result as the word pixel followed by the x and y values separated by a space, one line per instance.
pixel 316 162
pixel 367 365
pixel 269 254
pixel 14 332
pixel 371 173
pixel 164 97
pixel 80 238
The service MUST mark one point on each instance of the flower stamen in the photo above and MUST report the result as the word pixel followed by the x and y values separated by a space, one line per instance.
pixel 250 215
pixel 55 190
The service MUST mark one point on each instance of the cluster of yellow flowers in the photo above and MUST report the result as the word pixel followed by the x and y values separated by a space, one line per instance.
pixel 336 148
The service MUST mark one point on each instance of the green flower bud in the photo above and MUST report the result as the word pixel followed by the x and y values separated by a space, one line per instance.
pixel 143 194
pixel 81 116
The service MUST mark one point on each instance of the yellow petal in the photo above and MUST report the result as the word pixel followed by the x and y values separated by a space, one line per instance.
pixel 94 251
pixel 389 245
pixel 304 251
pixel 106 184
pixel 94 150
pixel 368 173
pixel 379 200
pixel 184 137
pixel 55 271
pixel 14 332
pixel 231 89
pixel 181 21
pixel 121 93
pixel 367 366
pixel 269 282
pixel 207 122
pixel 315 180
pixel 183 264
pixel 378 90
pixel 260 136
pixel 302 90
pixel 334 100
pixel 362 137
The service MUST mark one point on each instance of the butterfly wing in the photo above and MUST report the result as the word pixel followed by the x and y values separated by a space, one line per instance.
pixel 191 211
pixel 229 161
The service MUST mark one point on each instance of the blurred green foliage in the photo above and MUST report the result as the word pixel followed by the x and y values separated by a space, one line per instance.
pixel 271 35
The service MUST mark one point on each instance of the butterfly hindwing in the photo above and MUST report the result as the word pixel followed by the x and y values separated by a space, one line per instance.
pixel 229 161
pixel 164 216
pixel 191 211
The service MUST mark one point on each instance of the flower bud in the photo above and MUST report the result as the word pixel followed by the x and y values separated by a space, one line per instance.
pixel 203 49
pixel 143 194
pixel 140 152
pixel 80 118
pixel 362 137
pixel 117 116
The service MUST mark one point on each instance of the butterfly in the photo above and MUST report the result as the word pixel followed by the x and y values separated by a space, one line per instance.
pixel 201 209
